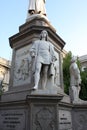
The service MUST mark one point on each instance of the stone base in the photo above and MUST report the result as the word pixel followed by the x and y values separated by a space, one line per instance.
pixel 31 111
pixel 49 91
pixel 80 102
pixel 79 117
pixel 36 112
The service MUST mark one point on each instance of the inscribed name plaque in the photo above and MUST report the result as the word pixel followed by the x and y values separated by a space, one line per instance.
pixel 22 66
pixel 65 121
pixel 12 120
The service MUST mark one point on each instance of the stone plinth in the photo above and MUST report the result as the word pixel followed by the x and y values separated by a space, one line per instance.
pixel 34 113
pixel 44 112
pixel 22 107
pixel 79 116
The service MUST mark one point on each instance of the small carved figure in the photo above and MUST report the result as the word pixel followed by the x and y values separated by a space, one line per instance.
pixel 75 80
pixel 44 54
pixel 23 70
pixel 37 7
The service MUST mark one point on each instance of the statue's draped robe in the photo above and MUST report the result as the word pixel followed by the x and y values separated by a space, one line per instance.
pixel 44 52
pixel 75 75
pixel 37 6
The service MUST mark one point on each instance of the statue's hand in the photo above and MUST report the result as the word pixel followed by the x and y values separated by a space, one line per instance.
pixel 54 59
pixel 33 54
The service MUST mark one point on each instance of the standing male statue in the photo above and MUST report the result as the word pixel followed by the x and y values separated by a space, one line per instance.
pixel 75 80
pixel 44 55
pixel 37 7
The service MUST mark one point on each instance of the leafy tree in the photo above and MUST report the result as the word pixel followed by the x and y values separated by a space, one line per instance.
pixel 66 74
pixel 83 92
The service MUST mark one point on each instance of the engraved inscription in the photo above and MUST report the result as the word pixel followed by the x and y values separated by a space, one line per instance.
pixel 12 120
pixel 65 122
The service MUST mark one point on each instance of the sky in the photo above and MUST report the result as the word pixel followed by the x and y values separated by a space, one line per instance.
pixel 68 17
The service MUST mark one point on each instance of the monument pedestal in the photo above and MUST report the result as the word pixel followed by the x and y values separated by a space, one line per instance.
pixel 23 108
pixel 36 112
pixel 79 116
pixel 43 112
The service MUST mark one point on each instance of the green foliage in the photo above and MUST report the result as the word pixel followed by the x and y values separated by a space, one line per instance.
pixel 83 92
pixel 66 74
pixel 1 92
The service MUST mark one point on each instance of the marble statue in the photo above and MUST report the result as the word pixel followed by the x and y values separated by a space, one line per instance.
pixel 75 80
pixel 37 7
pixel 43 53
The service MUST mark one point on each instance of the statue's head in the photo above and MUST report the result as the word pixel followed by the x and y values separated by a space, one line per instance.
pixel 73 59
pixel 44 33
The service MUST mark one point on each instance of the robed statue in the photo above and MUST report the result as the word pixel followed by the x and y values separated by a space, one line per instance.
pixel 37 7
pixel 75 80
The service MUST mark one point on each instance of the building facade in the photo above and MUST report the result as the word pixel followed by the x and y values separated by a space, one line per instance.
pixel 83 61
pixel 5 66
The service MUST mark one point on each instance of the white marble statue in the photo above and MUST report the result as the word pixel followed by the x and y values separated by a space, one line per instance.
pixel 43 53
pixel 75 80
pixel 37 7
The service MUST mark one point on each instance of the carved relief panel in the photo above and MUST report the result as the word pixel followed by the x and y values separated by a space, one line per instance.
pixel 22 66
pixel 44 117
pixel 80 120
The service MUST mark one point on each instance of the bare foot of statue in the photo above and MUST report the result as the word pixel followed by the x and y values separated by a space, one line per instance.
pixel 39 12
pixel 35 87
pixel 44 14
pixel 31 12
